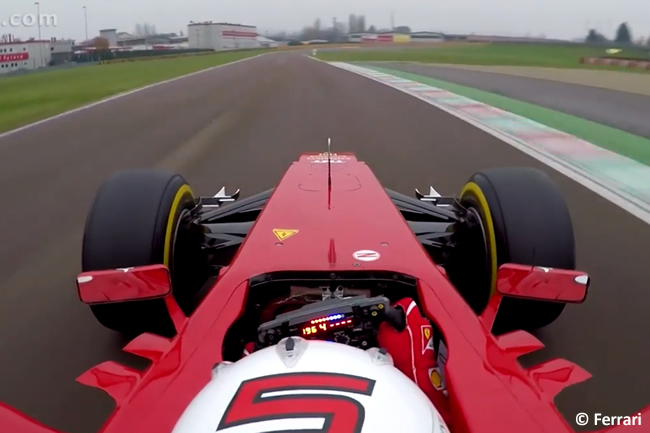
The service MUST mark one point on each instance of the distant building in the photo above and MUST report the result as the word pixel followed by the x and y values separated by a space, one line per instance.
pixel 391 37
pixel 61 50
pixel 358 37
pixel 427 37
pixel 222 36
pixel 516 39
pixel 266 42
pixel 450 37
pixel 125 39
pixel 24 55
pixel 124 35
pixel 501 39
pixel 179 40
pixel 110 35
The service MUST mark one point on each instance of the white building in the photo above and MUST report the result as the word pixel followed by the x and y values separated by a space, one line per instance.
pixel 61 50
pixel 266 42
pixel 427 37
pixel 358 37
pixel 24 55
pixel 221 36
pixel 61 45
pixel 110 35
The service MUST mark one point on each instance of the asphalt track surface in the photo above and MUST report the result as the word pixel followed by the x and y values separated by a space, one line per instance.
pixel 241 126
pixel 622 110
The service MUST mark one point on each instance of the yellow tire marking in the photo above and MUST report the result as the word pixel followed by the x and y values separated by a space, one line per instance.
pixel 185 189
pixel 475 190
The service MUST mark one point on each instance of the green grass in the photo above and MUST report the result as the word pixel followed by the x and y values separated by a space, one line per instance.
pixel 616 140
pixel 562 56
pixel 33 97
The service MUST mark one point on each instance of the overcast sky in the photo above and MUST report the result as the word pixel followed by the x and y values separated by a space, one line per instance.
pixel 554 18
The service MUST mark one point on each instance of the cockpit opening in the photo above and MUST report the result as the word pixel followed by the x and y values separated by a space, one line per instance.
pixel 345 307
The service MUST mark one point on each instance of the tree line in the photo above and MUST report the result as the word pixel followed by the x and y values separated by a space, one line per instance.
pixel 623 36
pixel 338 30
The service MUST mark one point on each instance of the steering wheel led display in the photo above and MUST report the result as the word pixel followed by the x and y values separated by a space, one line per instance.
pixel 353 321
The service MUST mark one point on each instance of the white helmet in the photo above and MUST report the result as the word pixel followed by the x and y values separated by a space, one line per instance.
pixel 309 385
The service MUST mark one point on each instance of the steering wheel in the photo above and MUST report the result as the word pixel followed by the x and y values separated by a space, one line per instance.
pixel 353 321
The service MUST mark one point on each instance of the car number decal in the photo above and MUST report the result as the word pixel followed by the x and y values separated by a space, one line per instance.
pixel 253 404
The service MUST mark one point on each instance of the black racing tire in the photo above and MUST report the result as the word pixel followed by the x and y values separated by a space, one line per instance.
pixel 134 221
pixel 523 219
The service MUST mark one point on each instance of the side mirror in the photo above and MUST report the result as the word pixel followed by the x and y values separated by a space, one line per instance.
pixel 125 284
pixel 543 284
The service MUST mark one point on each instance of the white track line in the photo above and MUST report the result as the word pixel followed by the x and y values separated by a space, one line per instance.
pixel 121 95
pixel 625 201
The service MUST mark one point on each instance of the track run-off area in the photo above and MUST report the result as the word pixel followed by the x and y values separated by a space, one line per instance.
pixel 240 126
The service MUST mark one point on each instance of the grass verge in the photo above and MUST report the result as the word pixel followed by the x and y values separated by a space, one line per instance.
pixel 29 98
pixel 559 56
pixel 616 140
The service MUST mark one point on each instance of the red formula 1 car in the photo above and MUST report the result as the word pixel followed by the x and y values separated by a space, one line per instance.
pixel 275 313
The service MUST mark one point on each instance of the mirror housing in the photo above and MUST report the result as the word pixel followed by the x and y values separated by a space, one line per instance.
pixel 542 284
pixel 124 284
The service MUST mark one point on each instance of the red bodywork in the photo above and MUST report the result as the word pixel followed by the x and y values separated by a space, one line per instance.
pixel 126 284
pixel 527 282
pixel 489 390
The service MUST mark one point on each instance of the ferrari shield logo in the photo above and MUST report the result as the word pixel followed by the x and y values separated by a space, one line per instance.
pixel 283 234
pixel 427 338
pixel 436 378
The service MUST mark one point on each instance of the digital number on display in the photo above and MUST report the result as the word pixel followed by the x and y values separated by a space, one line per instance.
pixel 325 323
